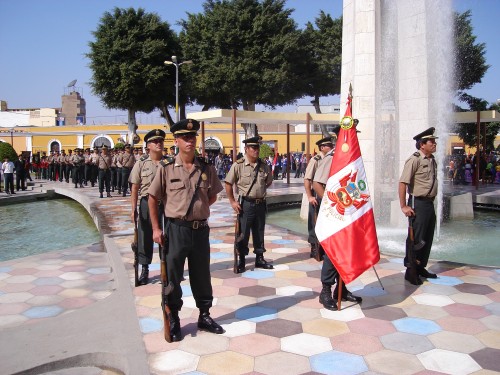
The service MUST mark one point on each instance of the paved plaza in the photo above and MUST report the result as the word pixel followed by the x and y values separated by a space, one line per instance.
pixel 76 311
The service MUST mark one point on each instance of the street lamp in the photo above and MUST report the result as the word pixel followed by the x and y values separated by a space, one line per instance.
pixel 177 64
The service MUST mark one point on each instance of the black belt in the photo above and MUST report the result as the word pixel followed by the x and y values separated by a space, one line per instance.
pixel 255 200
pixel 429 199
pixel 195 224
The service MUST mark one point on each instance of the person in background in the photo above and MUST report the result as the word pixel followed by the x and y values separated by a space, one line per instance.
pixel 19 167
pixel 8 175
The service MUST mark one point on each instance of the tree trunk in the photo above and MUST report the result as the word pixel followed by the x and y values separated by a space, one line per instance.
pixel 324 131
pixel 132 125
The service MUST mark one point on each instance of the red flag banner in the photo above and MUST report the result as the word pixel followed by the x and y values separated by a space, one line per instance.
pixel 346 226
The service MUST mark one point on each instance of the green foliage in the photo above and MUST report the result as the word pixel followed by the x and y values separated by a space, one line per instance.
pixel 119 145
pixel 324 57
pixel 126 59
pixel 245 52
pixel 469 56
pixel 6 150
pixel 265 151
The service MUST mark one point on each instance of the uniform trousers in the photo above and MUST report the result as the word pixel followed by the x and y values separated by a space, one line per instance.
pixel 311 223
pixel 62 172
pixel 252 218
pixel 69 172
pixel 104 179
pixel 125 176
pixel 51 175
pixel 145 231
pixel 8 182
pixel 118 184
pixel 88 172
pixel 77 174
pixel 94 172
pixel 113 177
pixel 193 245
pixel 330 275
pixel 423 228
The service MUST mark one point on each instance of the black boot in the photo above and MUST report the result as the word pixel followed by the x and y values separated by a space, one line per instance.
pixel 101 196
pixel 412 277
pixel 109 195
pixel 144 278
pixel 241 264
pixel 206 323
pixel 260 262
pixel 175 326
pixel 347 296
pixel 424 273
pixel 325 298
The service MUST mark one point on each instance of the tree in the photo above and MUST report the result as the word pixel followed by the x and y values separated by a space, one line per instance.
pixel 7 151
pixel 127 58
pixel 468 132
pixel 325 57
pixel 245 52
pixel 265 151
pixel 469 56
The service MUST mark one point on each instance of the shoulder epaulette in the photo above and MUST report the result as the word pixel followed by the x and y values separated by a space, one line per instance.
pixel 202 160
pixel 165 162
pixel 240 160
pixel 317 157
pixel 144 157
pixel 416 153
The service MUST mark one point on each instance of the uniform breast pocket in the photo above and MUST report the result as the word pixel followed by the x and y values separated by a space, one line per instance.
pixel 246 178
pixel 176 185
pixel 147 175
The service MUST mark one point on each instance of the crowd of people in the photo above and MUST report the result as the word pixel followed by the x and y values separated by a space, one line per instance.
pixel 462 168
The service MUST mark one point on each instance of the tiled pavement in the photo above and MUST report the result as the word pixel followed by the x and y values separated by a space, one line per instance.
pixel 274 323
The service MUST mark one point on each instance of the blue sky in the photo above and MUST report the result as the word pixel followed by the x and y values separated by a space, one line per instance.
pixel 43 43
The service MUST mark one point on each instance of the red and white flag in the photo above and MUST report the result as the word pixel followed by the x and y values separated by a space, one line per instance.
pixel 346 226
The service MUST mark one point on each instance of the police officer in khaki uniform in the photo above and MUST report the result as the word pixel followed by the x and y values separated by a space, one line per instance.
pixel 69 166
pixel 141 177
pixel 62 165
pixel 104 166
pixel 252 176
pixel 77 161
pixel 329 274
pixel 94 167
pixel 419 179
pixel 187 187
pixel 127 160
pixel 325 145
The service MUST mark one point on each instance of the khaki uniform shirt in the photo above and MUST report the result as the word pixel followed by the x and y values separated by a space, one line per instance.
pixel 67 159
pixel 312 167
pixel 175 186
pixel 93 158
pixel 323 170
pixel 113 160
pixel 77 160
pixel 242 174
pixel 61 159
pixel 127 160
pixel 104 161
pixel 143 173
pixel 419 173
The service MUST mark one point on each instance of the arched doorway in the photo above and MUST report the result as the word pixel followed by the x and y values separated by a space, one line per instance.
pixel 213 147
pixel 102 140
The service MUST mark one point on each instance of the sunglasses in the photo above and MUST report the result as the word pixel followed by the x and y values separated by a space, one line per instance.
pixel 255 147
pixel 157 140
pixel 187 137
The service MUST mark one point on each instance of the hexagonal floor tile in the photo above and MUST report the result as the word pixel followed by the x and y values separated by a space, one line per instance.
pixel 230 363
pixel 406 343
pixel 282 363
pixel 257 291
pixel 356 343
pixel 305 344
pixel 256 313
pixel 456 342
pixel 278 328
pixel 448 362
pixel 173 362
pixel 388 313
pixel 338 362
pixel 417 326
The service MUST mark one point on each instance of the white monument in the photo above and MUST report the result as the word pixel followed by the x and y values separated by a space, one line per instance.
pixel 398 57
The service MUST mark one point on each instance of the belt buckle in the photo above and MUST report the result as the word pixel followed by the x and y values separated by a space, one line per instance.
pixel 196 224
pixel 258 201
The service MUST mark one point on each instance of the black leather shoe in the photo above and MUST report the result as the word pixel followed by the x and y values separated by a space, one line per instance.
pixel 206 323
pixel 325 298
pixel 241 264
pixel 109 195
pixel 424 273
pixel 260 262
pixel 348 297
pixel 175 327
pixel 144 278
pixel 412 277
pixel 101 196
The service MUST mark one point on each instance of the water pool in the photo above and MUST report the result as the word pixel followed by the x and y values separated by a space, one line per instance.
pixel 464 241
pixel 41 226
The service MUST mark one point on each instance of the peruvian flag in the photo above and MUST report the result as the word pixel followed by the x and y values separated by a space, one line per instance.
pixel 346 226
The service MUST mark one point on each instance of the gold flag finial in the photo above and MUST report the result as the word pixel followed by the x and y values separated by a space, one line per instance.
pixel 350 90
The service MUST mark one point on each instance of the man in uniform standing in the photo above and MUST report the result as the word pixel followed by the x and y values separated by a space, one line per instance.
pixel 62 166
pixel 94 167
pixel 325 145
pixel 141 177
pixel 69 167
pixel 77 161
pixel 252 177
pixel 419 179
pixel 104 166
pixel 187 187
pixel 127 160
pixel 329 274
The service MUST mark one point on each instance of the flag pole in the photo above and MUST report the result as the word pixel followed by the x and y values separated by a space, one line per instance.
pixel 339 301
pixel 378 278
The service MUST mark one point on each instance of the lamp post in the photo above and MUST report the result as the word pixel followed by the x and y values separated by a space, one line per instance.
pixel 177 64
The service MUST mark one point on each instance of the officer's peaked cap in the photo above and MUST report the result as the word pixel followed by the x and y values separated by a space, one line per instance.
pixel 185 127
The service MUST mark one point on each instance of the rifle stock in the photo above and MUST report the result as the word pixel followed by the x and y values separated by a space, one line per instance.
pixel 166 288
pixel 135 249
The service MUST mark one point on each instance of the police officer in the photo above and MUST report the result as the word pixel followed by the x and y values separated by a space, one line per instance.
pixel 88 166
pixel 62 166
pixel 78 161
pixel 141 177
pixel 252 176
pixel 325 145
pixel 329 274
pixel 127 160
pixel 104 166
pixel 419 179
pixel 69 166
pixel 187 187
pixel 94 167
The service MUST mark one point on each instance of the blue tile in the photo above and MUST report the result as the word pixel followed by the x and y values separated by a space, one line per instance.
pixel 493 308
pixel 215 241
pixel 48 281
pixel 5 269
pixel 417 326
pixel 256 314
pixel 369 291
pixel 334 362
pixel 396 260
pixel 43 311
pixel 154 267
pixel 446 280
pixel 186 290
pixel 258 274
pixel 99 270
pixel 149 325
pixel 282 242
pixel 220 255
